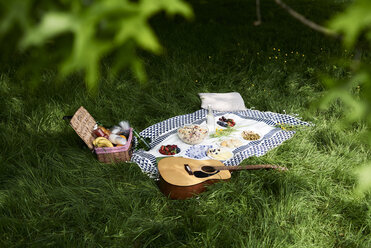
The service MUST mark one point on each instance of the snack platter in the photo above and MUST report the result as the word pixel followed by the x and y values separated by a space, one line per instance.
pixel 197 142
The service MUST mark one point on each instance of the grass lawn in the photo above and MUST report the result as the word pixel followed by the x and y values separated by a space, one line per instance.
pixel 54 193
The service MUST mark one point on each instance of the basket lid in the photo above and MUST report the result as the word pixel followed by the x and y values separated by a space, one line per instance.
pixel 83 123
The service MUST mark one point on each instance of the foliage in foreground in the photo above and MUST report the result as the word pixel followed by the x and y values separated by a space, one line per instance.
pixel 355 89
pixel 79 34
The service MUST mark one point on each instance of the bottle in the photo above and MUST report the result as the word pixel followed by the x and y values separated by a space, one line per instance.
pixel 99 132
pixel 142 143
pixel 210 120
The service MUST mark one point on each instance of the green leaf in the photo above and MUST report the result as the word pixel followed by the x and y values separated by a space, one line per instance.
pixel 353 21
pixel 139 71
pixel 147 39
pixel 138 29
pixel 356 109
pixel 364 179
pixel 173 7
pixel 52 24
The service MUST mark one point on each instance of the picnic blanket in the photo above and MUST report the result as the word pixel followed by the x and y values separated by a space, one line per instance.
pixel 263 123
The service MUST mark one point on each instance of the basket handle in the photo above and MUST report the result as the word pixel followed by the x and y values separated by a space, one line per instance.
pixel 67 117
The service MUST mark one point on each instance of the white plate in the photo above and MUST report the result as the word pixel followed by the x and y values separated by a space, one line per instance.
pixel 228 154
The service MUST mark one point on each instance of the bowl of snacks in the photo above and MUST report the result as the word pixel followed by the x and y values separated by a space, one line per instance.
pixel 192 134
pixel 169 149
pixel 250 135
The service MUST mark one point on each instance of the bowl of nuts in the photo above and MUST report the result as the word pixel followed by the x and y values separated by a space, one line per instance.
pixel 192 134
pixel 250 135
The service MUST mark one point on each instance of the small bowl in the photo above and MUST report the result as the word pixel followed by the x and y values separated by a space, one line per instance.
pixel 197 151
pixel 192 134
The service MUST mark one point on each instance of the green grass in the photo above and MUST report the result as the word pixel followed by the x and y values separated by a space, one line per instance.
pixel 53 192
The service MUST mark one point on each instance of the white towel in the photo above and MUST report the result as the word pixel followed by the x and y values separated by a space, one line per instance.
pixel 231 101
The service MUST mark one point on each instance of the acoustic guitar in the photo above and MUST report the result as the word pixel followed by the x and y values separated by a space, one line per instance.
pixel 182 178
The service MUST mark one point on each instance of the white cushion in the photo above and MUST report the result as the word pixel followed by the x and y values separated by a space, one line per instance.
pixel 222 101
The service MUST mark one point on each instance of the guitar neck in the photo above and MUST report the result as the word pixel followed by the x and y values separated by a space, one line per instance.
pixel 249 167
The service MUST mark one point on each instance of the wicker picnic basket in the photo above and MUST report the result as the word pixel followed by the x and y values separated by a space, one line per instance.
pixel 83 123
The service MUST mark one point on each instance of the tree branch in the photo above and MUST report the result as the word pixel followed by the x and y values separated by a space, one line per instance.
pixel 305 21
pixel 258 15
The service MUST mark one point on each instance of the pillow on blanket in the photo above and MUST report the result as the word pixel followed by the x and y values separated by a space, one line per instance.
pixel 222 101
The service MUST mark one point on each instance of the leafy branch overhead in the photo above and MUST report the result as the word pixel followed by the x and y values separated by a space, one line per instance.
pixel 355 26
pixel 98 28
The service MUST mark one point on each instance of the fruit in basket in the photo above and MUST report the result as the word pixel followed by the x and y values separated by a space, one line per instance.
pixel 117 139
pixel 169 150
pixel 106 131
pixel 99 132
pixel 123 139
pixel 102 142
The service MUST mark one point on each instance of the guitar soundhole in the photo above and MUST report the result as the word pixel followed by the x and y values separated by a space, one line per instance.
pixel 205 171
pixel 208 169
pixel 201 174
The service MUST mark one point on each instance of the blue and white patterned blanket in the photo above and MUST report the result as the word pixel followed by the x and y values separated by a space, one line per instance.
pixel 168 128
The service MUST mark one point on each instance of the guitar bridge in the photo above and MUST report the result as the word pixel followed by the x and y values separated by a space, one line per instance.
pixel 188 169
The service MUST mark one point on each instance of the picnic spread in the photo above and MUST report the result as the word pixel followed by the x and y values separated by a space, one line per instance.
pixel 254 134
pixel 189 151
